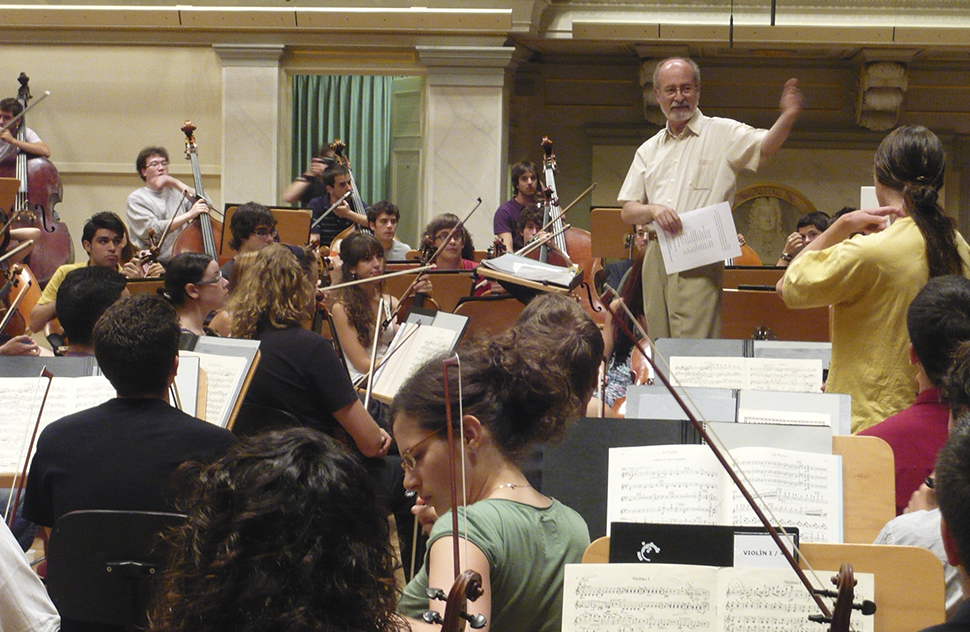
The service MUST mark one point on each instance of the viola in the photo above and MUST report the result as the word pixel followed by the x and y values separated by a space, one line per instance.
pixel 19 293
pixel 199 234
pixel 40 190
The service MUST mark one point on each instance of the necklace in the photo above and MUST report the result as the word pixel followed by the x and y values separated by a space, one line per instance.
pixel 511 486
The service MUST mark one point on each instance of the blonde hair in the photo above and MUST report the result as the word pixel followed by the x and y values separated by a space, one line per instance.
pixel 273 291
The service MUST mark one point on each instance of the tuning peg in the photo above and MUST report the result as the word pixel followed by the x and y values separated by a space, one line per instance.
pixel 476 621
pixel 432 616
pixel 437 594
pixel 867 607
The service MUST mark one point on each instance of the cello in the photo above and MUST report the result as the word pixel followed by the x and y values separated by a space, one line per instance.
pixel 199 234
pixel 40 190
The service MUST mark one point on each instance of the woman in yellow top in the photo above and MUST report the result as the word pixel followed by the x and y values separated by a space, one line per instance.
pixel 870 264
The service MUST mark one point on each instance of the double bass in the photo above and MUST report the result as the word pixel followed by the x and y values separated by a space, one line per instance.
pixel 200 234
pixel 575 242
pixel 40 190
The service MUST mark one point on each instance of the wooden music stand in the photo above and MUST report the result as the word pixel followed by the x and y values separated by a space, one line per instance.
pixel 745 313
pixel 908 579
pixel 292 224
pixel 448 286
pixel 8 192
pixel 868 486
pixel 608 232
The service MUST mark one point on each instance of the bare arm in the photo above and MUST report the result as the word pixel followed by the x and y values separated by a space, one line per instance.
pixel 370 439
pixel 37 148
pixel 356 354
pixel 40 315
pixel 791 104
pixel 441 575
pixel 640 213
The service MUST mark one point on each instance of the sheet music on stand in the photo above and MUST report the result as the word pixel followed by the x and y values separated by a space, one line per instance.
pixel 523 277
pixel 425 335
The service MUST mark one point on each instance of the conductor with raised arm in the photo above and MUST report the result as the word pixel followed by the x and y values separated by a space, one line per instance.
pixel 692 163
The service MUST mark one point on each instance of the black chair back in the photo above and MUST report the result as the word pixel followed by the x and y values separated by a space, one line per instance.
pixel 101 565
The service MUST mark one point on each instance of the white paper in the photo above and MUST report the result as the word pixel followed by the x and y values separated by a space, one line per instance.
pixel 685 484
pixel 760 374
pixel 669 597
pixel 785 417
pixel 223 373
pixel 708 236
pixel 758 550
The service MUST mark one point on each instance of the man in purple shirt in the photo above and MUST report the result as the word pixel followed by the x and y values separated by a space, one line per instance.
pixel 525 178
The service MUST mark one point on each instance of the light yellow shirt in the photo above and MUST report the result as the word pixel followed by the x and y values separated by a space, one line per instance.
pixel 869 281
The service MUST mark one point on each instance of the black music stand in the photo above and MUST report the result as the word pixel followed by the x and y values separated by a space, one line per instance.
pixel 101 564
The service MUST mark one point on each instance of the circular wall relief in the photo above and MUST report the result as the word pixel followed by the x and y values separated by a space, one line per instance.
pixel 766 214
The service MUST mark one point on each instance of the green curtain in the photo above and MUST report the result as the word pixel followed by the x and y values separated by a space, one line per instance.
pixel 355 109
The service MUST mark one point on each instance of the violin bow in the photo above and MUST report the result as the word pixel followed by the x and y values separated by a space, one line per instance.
pixel 19 483
pixel 430 263
pixel 330 210
pixel 375 279
pixel 373 352
pixel 20 247
pixel 30 107
pixel 732 473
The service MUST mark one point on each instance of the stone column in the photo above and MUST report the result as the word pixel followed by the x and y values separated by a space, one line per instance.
pixel 250 133
pixel 465 151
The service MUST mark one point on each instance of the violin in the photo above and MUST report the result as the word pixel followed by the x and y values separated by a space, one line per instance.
pixel 40 190
pixel 199 234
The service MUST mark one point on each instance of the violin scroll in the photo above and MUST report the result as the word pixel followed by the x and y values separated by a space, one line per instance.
pixel 468 587
pixel 844 604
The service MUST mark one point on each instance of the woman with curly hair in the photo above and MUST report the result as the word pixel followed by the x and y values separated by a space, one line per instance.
pixel 282 534
pixel 195 286
pixel 298 370
pixel 355 311
pixel 517 390
pixel 869 270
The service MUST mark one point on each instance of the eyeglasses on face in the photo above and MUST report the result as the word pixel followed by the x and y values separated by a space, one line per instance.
pixel 264 231
pixel 408 460
pixel 216 279
pixel 157 163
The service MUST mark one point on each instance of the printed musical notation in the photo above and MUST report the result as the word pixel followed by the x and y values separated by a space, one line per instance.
pixel 662 597
pixel 685 484
pixel 708 236
pixel 760 374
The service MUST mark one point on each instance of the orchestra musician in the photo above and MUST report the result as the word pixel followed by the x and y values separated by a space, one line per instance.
pixel 870 280
pixel 253 227
pixel 299 371
pixel 196 287
pixel 519 389
pixel 457 255
pixel 162 207
pixel 103 237
pixel 355 308
pixel 690 164
pixel 9 145
pixel 24 603
pixel 337 182
pixel 282 533
pixel 525 179
pixel 309 184
pixel 82 298
pixel 121 454
pixel 382 219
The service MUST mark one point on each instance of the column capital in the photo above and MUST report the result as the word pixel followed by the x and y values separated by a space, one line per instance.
pixel 466 65
pixel 249 54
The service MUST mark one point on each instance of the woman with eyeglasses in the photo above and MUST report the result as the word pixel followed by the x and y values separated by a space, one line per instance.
pixel 458 254
pixel 195 286
pixel 517 390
